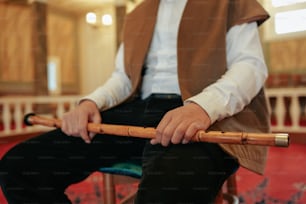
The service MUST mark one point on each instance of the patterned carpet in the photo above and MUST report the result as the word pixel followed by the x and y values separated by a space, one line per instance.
pixel 284 181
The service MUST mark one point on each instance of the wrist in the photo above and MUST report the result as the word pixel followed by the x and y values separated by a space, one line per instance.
pixel 87 102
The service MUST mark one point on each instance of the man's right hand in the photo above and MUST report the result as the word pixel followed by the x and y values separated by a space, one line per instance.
pixel 74 123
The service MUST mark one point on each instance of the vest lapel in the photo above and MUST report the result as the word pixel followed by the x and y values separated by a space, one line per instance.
pixel 200 41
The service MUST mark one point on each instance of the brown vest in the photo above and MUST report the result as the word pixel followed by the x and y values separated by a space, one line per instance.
pixel 201 53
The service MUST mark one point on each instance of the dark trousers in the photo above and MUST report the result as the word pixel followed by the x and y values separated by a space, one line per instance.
pixel 40 169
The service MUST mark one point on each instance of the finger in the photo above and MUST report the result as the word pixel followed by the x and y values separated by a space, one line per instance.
pixel 64 125
pixel 68 129
pixel 82 129
pixel 157 138
pixel 92 135
pixel 85 136
pixel 160 129
pixel 154 141
pixel 68 122
pixel 179 133
pixel 168 133
pixel 190 132
pixel 96 118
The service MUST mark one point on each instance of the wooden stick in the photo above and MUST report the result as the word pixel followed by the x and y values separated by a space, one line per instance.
pixel 242 138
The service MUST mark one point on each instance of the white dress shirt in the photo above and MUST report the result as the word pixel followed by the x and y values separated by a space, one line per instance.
pixel 244 78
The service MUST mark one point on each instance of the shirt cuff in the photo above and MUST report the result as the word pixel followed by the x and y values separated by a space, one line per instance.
pixel 98 100
pixel 211 103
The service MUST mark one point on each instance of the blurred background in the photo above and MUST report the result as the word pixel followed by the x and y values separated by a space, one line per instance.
pixel 68 47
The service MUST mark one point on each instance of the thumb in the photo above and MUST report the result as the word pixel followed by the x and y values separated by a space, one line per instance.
pixel 96 118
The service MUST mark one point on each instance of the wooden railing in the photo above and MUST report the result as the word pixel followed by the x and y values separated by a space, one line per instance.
pixel 13 109
pixel 287 106
pixel 288 109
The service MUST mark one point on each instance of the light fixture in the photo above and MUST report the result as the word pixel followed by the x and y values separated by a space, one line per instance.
pixel 91 18
pixel 97 19
pixel 107 20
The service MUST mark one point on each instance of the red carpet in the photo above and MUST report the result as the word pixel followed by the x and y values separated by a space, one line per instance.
pixel 284 181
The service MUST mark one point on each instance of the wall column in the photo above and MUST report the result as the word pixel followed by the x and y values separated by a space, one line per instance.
pixel 39 47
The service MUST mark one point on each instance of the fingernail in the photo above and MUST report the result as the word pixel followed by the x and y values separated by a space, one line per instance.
pixel 185 141
pixel 153 142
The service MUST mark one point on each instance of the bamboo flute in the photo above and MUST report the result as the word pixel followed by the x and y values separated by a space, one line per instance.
pixel 242 138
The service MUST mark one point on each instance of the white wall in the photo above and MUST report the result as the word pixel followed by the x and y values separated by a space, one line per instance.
pixel 97 52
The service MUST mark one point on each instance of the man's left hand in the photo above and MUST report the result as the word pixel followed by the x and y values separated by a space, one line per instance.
pixel 181 124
